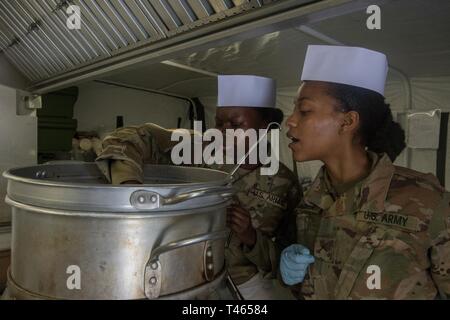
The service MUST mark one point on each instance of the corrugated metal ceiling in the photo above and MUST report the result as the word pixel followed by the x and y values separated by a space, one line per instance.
pixel 34 35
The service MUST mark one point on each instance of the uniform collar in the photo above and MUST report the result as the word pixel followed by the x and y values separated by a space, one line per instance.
pixel 371 192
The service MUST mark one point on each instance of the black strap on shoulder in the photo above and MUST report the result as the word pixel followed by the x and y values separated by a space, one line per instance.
pixel 441 155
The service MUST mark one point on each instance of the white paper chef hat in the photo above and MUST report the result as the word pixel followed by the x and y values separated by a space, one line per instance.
pixel 347 65
pixel 246 91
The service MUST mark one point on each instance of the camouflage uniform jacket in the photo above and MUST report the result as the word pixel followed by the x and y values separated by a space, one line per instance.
pixel 126 150
pixel 396 219
pixel 270 200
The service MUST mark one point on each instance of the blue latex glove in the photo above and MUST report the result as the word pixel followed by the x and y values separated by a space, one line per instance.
pixel 295 260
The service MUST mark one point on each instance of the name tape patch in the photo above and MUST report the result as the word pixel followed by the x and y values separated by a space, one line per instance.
pixel 268 197
pixel 390 219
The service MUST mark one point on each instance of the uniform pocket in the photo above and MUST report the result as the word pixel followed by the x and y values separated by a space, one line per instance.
pixel 357 260
pixel 308 222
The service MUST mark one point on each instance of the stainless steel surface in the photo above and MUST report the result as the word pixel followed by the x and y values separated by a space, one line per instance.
pixel 208 257
pixel 38 29
pixel 83 188
pixel 145 200
pixel 154 257
pixel 202 291
pixel 14 291
pixel 5 253
pixel 153 278
pixel 68 217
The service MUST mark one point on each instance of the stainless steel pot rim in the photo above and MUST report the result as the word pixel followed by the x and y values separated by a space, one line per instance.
pixel 115 215
pixel 9 174
pixel 78 188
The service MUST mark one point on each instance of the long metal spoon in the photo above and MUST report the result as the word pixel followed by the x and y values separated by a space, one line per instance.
pixel 240 162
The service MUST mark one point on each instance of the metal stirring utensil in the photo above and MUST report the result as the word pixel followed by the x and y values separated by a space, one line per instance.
pixel 240 162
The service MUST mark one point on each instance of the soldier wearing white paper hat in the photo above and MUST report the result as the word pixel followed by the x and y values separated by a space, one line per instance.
pixel 263 203
pixel 366 229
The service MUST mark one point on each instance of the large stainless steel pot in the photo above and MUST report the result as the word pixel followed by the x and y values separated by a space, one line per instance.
pixel 158 240
pixel 5 253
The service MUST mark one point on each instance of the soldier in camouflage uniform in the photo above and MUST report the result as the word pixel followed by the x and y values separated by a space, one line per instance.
pixel 366 229
pixel 269 200
pixel 397 219
pixel 261 205
pixel 126 150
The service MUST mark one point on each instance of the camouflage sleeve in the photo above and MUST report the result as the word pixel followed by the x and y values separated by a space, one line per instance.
pixel 440 250
pixel 124 153
pixel 301 231
pixel 270 241
pixel 406 260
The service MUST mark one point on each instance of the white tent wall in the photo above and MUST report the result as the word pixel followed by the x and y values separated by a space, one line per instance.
pixel 99 104
pixel 18 142
pixel 429 94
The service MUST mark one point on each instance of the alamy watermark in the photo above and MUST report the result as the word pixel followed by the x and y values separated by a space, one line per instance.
pixel 374 280
pixel 374 20
pixel 229 147
pixel 74 17
pixel 74 279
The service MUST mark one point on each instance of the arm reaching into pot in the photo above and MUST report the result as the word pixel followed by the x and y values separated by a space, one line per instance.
pixel 126 150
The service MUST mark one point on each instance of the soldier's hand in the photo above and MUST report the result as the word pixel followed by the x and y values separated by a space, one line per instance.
pixel 240 222
pixel 294 263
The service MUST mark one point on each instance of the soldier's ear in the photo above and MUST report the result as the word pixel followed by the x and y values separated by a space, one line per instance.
pixel 350 123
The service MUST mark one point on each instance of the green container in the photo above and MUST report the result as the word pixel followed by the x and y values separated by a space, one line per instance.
pixel 56 128
pixel 59 103
pixel 55 134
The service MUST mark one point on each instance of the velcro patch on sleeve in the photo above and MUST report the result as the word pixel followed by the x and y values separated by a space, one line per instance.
pixel 390 219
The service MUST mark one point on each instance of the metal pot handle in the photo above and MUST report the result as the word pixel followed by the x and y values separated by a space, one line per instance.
pixel 152 273
pixel 147 200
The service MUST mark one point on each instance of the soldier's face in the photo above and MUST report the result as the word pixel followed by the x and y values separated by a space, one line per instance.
pixel 314 126
pixel 238 118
